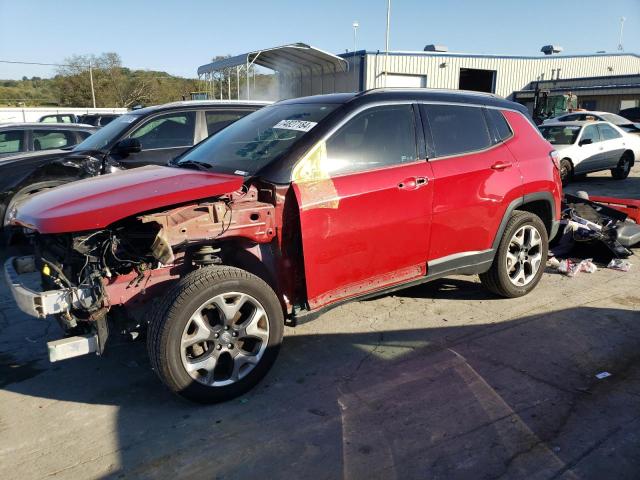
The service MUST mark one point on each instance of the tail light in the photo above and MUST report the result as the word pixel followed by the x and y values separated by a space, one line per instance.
pixel 555 158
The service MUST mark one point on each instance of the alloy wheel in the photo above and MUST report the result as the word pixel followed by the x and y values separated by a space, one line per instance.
pixel 224 339
pixel 524 255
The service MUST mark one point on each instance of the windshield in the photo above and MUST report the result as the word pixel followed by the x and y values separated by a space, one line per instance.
pixel 253 142
pixel 560 134
pixel 107 134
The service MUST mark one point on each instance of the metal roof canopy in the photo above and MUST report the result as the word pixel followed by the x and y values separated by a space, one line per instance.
pixel 293 58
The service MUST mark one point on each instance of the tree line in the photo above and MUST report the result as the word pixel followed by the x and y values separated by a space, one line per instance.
pixel 114 85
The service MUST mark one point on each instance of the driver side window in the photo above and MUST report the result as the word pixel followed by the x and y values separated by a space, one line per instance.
pixel 378 137
pixel 171 130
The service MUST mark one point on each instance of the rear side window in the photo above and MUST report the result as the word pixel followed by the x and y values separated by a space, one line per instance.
pixel 11 141
pixel 83 135
pixel 217 120
pixel 502 129
pixel 50 139
pixel 167 131
pixel 457 129
pixel 591 133
pixel 608 133
pixel 375 138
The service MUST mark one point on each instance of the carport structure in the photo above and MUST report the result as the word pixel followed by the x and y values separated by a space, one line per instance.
pixel 300 68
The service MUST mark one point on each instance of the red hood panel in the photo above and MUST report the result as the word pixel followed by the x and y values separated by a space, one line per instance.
pixel 97 202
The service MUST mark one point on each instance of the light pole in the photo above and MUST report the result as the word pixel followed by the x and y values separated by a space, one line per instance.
pixel 93 92
pixel 386 47
pixel 620 45
pixel 355 45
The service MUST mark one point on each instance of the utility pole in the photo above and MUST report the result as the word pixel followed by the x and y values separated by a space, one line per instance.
pixel 620 45
pixel 355 45
pixel 386 48
pixel 93 92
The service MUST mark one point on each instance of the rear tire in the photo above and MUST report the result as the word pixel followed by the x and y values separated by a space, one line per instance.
pixel 215 334
pixel 521 257
pixel 624 167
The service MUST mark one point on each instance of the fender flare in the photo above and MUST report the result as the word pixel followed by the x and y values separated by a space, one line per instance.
pixel 518 202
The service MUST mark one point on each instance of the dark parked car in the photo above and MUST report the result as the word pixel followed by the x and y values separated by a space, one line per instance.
pixel 16 138
pixel 632 114
pixel 295 208
pixel 152 135
pixel 97 119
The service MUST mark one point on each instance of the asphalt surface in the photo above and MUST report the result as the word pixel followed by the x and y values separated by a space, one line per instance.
pixel 441 381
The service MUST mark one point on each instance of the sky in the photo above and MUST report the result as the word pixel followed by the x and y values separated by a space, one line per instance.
pixel 178 36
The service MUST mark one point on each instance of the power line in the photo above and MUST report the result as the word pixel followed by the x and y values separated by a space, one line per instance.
pixel 39 63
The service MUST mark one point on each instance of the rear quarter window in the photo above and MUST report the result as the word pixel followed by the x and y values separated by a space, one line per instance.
pixel 457 129
pixel 502 130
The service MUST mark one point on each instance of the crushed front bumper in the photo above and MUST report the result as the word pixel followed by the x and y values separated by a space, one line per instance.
pixel 21 270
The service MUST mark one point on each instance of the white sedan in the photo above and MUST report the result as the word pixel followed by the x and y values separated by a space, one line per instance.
pixel 594 116
pixel 585 147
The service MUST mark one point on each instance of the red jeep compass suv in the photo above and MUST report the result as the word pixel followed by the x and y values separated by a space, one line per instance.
pixel 294 208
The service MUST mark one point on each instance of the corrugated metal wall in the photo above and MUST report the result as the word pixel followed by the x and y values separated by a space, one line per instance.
pixel 512 73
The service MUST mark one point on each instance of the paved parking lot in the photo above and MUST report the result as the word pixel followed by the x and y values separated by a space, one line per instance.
pixel 438 381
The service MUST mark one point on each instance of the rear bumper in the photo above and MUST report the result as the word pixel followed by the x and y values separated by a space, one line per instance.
pixel 35 303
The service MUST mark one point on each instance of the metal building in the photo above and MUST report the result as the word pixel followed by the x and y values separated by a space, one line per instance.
pixel 304 70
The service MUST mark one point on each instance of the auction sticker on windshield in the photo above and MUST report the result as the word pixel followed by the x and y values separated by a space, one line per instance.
pixel 299 125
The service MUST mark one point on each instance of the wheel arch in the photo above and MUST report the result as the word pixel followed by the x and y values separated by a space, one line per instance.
pixel 541 204
pixel 633 156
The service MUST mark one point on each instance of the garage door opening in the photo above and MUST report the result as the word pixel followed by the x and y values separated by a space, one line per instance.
pixel 477 80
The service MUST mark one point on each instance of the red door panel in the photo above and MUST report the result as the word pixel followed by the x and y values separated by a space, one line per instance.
pixel 470 195
pixel 364 231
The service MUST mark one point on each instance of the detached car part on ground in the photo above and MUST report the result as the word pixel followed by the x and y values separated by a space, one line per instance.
pixel 293 209
pixel 152 135
pixel 588 224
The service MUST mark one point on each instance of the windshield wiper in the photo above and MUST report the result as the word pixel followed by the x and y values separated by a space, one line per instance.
pixel 191 163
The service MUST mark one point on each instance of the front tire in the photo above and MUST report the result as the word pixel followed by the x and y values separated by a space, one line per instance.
pixel 624 167
pixel 522 254
pixel 216 334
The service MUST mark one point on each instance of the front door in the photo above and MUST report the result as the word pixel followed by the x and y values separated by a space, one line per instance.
pixel 364 197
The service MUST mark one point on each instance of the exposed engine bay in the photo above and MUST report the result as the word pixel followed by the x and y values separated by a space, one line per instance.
pixel 131 262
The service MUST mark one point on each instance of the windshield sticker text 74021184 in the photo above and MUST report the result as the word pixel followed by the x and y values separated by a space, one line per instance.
pixel 300 125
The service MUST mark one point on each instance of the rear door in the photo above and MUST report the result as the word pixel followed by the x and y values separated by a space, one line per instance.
pixel 364 196
pixel 475 179
pixel 613 143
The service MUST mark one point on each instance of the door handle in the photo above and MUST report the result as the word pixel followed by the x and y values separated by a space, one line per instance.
pixel 501 165
pixel 413 183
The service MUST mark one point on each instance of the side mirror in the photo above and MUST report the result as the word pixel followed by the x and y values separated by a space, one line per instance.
pixel 127 146
pixel 585 141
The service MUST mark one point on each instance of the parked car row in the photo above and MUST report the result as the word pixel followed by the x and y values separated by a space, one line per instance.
pixel 287 211
pixel 95 119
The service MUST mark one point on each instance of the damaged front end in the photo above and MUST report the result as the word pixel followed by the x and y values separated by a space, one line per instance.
pixel 96 281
